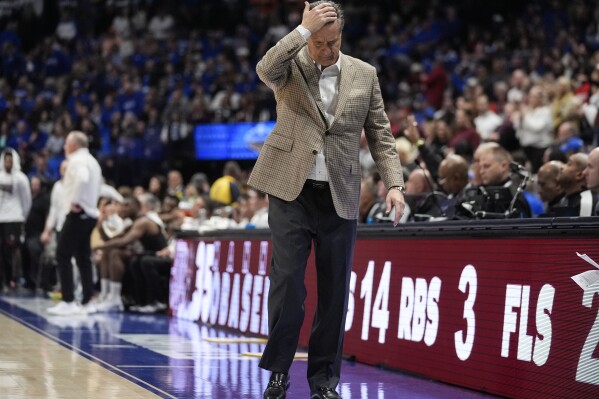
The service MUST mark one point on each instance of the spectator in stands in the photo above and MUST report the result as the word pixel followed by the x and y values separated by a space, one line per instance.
pixel 577 201
pixel 157 186
pixel 201 209
pixel 466 139
pixel 567 142
pixel 161 25
pixel 200 181
pixel 550 191
pixel 505 134
pixel 41 169
pixel 422 201
pixel 435 83
pixel 242 213
pixel 534 127
pixel 175 135
pixel 15 204
pixel 433 150
pixel 225 190
pixel 66 31
pixel 591 174
pixel 174 184
pixel 590 109
pixel 564 103
pixel 170 214
pixel 371 205
pixel 258 203
pixel 519 83
pixel 190 193
pixel 55 141
pixel 486 121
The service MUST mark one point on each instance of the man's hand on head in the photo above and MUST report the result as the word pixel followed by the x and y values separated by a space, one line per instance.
pixel 319 16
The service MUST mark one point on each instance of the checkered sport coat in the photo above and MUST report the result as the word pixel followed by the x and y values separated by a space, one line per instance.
pixel 287 156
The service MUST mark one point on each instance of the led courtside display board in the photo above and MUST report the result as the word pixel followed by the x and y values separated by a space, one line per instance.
pixel 493 313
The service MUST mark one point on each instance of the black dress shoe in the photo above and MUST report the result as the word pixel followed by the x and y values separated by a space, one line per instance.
pixel 325 393
pixel 277 386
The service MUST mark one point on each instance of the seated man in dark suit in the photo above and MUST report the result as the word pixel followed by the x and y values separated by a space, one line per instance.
pixel 453 179
pixel 370 202
pixel 550 190
pixel 577 200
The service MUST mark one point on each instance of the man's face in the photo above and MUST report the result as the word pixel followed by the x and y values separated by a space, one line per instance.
pixel 128 209
pixel 173 179
pixel 591 172
pixel 324 45
pixel 564 132
pixel 549 188
pixel 169 204
pixel 36 185
pixel 482 105
pixel 569 174
pixel 447 180
pixel 492 172
pixel 8 163
pixel 69 146
pixel 244 208
pixel 253 201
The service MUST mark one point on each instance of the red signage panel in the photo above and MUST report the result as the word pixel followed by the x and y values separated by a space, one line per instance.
pixel 498 315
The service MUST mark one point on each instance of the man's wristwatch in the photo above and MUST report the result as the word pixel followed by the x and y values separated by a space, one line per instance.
pixel 401 189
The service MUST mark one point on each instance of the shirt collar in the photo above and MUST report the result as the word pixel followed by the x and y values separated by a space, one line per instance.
pixel 331 70
pixel 78 151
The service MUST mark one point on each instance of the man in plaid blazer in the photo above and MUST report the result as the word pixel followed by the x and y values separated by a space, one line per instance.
pixel 310 168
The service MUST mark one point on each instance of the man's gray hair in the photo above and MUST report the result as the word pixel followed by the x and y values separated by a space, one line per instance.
pixel 338 10
pixel 149 201
pixel 79 138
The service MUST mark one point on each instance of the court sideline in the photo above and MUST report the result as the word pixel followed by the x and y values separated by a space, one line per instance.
pixel 127 355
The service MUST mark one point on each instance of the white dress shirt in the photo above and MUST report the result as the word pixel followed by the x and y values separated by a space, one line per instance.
pixel 329 94
pixel 82 182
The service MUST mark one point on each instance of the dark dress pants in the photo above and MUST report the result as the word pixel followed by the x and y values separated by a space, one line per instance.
pixel 151 276
pixel 10 242
pixel 74 241
pixel 294 226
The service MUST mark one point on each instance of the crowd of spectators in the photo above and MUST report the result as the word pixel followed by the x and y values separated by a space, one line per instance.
pixel 137 75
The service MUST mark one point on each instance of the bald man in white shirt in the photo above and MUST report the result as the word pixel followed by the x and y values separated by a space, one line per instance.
pixel 82 182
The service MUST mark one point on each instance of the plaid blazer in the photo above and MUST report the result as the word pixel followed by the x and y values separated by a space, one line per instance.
pixel 287 156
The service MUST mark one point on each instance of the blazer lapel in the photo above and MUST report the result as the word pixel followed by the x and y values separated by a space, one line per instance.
pixel 312 75
pixel 346 79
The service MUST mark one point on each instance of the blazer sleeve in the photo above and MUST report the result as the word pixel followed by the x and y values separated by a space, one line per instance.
pixel 274 68
pixel 380 140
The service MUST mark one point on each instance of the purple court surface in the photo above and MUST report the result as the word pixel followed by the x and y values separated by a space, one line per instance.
pixel 158 356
